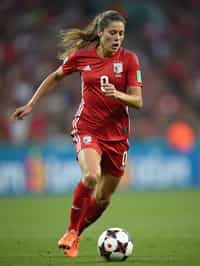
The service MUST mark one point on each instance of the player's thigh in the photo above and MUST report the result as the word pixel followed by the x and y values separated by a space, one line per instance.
pixel 106 185
pixel 89 161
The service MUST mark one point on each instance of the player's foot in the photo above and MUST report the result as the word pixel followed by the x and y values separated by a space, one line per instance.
pixel 73 251
pixel 67 239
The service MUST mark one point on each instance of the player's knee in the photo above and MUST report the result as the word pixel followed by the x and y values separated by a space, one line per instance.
pixel 90 179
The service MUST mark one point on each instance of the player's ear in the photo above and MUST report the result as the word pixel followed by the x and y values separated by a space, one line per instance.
pixel 99 34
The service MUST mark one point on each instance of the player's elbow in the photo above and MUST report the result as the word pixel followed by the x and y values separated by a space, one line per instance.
pixel 140 104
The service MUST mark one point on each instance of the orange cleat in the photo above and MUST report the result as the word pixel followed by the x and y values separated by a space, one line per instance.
pixel 73 251
pixel 66 242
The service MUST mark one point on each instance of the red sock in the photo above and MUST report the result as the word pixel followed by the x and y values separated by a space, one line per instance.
pixel 91 214
pixel 81 195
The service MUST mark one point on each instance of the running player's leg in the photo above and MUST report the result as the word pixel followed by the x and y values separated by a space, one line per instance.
pixel 105 187
pixel 113 163
pixel 89 160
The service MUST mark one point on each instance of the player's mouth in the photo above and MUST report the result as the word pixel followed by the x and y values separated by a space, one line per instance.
pixel 115 46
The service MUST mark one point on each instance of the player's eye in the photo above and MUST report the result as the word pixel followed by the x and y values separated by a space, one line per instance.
pixel 112 32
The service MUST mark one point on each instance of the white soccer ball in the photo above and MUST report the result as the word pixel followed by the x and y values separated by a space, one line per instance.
pixel 115 244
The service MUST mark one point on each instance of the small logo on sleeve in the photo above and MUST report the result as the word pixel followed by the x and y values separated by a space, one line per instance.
pixel 139 76
pixel 65 60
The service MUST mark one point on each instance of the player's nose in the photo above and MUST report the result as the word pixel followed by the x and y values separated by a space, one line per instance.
pixel 117 37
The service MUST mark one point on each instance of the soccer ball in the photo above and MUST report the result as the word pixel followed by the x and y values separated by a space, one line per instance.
pixel 115 244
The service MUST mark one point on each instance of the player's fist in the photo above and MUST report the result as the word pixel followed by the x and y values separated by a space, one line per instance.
pixel 110 90
pixel 21 112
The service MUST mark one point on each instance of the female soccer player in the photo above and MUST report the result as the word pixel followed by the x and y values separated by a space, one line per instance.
pixel 111 81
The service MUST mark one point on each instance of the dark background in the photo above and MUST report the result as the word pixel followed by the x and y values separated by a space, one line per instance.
pixel 164 34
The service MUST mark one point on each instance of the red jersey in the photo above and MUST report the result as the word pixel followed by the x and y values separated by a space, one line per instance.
pixel 100 115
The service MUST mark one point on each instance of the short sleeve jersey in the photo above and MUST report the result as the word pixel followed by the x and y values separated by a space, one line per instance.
pixel 98 114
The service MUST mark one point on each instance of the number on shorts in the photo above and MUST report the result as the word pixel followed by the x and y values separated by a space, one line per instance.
pixel 124 159
pixel 103 81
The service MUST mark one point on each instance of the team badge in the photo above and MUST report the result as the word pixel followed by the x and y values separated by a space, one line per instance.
pixel 118 68
pixel 87 139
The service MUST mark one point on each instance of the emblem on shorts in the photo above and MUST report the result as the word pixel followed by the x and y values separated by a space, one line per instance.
pixel 87 139
pixel 87 68
pixel 118 67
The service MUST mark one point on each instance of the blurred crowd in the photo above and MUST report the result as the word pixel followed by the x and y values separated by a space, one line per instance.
pixel 164 34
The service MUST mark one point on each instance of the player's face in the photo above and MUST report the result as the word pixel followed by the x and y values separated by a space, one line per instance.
pixel 111 37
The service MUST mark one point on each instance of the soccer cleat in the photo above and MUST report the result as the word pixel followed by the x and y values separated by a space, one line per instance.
pixel 67 240
pixel 73 251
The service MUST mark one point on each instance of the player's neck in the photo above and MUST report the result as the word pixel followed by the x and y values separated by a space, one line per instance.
pixel 103 53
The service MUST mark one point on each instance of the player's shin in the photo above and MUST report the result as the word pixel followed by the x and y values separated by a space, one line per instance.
pixel 92 213
pixel 81 195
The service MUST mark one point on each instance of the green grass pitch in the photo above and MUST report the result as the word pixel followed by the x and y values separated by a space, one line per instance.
pixel 165 227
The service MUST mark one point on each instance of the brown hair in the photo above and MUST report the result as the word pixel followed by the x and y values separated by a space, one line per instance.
pixel 74 39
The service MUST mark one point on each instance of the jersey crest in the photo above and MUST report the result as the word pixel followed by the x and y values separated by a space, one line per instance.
pixel 118 67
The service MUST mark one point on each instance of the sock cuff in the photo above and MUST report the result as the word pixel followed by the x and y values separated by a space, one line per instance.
pixel 83 190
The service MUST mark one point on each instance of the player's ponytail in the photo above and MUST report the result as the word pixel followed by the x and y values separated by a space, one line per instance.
pixel 74 39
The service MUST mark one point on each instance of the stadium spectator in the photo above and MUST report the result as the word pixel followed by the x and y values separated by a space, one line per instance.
pixel 164 35
pixel 181 136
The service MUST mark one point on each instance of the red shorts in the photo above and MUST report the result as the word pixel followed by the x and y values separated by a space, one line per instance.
pixel 113 153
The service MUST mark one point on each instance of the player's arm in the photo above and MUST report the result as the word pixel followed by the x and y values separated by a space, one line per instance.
pixel 45 87
pixel 133 98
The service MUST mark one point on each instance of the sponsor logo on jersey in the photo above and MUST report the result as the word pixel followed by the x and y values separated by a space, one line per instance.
pixel 87 139
pixel 118 67
pixel 87 68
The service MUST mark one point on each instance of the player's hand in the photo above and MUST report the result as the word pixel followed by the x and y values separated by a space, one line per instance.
pixel 21 112
pixel 110 90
